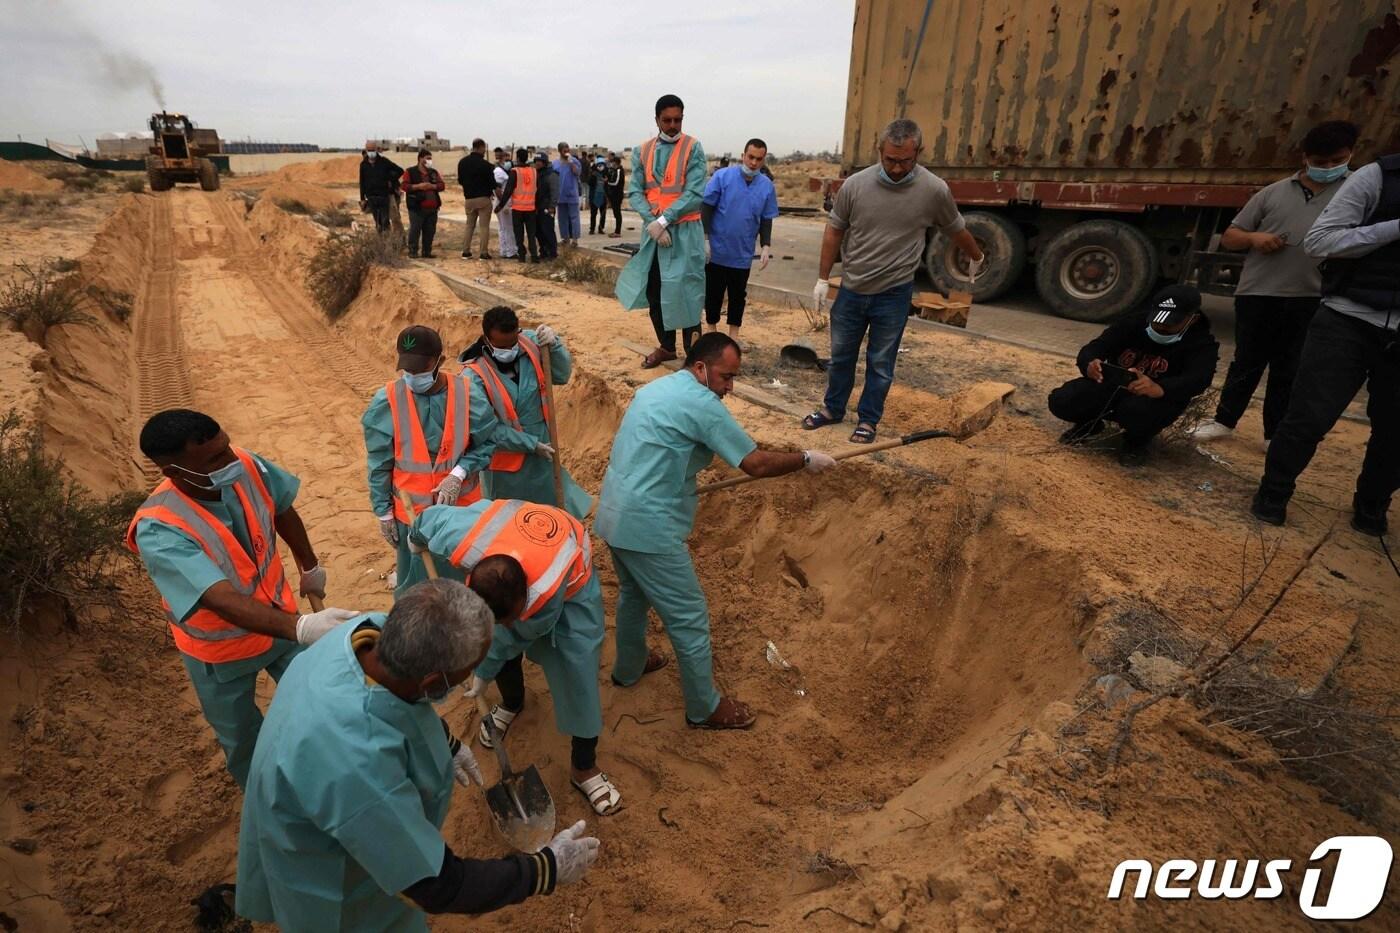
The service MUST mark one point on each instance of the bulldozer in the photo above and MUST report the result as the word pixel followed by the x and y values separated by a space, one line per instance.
pixel 178 152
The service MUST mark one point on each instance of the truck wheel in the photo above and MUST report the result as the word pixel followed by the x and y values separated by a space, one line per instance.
pixel 1096 270
pixel 208 175
pixel 1004 245
pixel 156 176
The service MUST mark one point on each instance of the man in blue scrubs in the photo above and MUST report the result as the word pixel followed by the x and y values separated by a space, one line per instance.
pixel 673 429
pixel 739 206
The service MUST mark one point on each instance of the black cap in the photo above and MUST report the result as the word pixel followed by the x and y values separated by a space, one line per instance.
pixel 541 157
pixel 1174 304
pixel 419 348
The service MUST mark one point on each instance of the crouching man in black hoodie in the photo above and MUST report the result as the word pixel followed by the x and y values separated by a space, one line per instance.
pixel 1141 373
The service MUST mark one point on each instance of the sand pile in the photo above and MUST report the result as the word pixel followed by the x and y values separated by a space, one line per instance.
pixel 16 176
pixel 342 171
pixel 313 196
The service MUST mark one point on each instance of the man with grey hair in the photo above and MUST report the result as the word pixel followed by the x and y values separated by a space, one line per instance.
pixel 352 779
pixel 878 226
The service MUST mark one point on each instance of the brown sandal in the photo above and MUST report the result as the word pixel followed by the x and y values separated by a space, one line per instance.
pixel 730 714
pixel 658 356
pixel 655 662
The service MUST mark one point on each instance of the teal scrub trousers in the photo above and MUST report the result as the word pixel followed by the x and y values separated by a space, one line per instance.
pixel 227 695
pixel 667 583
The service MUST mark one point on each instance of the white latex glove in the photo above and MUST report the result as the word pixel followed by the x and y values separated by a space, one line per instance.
pixel 656 228
pixel 413 546
pixel 664 239
pixel 473 687
pixel 707 249
pixel 573 853
pixel 819 292
pixel 765 253
pixel 544 450
pixel 975 267
pixel 545 336
pixel 448 490
pixel 314 581
pixel 464 768
pixel 389 530
pixel 315 624
pixel 818 462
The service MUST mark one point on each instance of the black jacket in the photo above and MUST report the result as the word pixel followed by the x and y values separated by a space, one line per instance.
pixel 1183 369
pixel 378 176
pixel 546 189
pixel 476 176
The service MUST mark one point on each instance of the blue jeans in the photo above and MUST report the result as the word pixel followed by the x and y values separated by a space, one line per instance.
pixel 884 314
pixel 568 220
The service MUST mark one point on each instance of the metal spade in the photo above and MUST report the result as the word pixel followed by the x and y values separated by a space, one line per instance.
pixel 519 803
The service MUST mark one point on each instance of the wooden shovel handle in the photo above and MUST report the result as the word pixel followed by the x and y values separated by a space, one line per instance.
pixel 427 556
pixel 843 455
pixel 553 422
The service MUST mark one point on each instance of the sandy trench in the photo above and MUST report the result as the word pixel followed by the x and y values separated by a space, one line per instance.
pixel 940 609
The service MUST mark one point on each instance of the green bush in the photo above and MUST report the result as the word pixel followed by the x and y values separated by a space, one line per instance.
pixel 35 300
pixel 57 540
pixel 338 269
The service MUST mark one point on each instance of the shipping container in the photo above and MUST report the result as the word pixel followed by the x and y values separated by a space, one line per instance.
pixel 1108 142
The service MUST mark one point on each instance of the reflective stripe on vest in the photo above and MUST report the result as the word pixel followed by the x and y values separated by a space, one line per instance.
pixel 522 198
pixel 509 461
pixel 550 544
pixel 413 471
pixel 204 635
pixel 662 194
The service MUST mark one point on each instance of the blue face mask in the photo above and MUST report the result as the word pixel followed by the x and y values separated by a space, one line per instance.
pixel 1164 339
pixel 222 478
pixel 884 176
pixel 748 172
pixel 506 356
pixel 1325 176
pixel 420 383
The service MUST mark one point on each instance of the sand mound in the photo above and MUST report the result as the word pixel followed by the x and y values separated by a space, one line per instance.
pixel 313 196
pixel 15 176
pixel 345 171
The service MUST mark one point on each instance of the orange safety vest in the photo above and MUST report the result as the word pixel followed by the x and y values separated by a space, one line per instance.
pixel 509 461
pixel 662 194
pixel 523 197
pixel 205 635
pixel 550 544
pixel 413 470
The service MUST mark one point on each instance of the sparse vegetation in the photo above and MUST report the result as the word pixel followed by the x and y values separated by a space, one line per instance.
pixel 336 218
pixel 57 540
pixel 338 269
pixel 135 184
pixel 293 206
pixel 64 264
pixel 577 266
pixel 116 303
pixel 35 299
pixel 19 205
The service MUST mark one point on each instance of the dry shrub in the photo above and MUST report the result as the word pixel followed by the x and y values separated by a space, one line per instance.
pixel 336 218
pixel 135 184
pixel 293 206
pixel 57 541
pixel 35 300
pixel 1198 412
pixel 338 269
pixel 579 267
pixel 27 204
pixel 116 303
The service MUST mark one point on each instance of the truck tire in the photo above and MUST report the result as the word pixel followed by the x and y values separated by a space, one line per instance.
pixel 156 176
pixel 1004 245
pixel 208 175
pixel 1095 270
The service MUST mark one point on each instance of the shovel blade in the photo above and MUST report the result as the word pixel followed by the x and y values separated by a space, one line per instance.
pixel 522 809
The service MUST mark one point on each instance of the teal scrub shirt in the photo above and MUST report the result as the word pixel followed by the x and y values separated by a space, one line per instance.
pixel 534 481
pixel 672 430
pixel 348 792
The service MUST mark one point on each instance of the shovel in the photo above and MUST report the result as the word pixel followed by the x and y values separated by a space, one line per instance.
pixel 519 803
pixel 969 425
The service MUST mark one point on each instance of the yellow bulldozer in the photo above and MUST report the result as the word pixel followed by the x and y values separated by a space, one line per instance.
pixel 178 153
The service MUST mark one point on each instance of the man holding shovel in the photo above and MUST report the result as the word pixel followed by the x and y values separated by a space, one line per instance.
pixel 208 537
pixel 512 367
pixel 352 780
pixel 533 565
pixel 673 429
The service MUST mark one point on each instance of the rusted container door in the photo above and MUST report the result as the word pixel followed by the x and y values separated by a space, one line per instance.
pixel 1188 91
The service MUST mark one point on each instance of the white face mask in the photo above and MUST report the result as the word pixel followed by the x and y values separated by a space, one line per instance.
pixel 669 138
pixel 371 155
pixel 505 356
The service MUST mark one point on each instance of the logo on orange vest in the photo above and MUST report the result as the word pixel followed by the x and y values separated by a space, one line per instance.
pixel 540 526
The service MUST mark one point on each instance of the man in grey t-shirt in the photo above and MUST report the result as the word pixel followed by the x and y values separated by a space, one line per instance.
pixel 878 225
pixel 1280 286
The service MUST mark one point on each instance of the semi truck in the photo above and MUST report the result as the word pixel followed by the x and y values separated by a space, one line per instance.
pixel 1100 146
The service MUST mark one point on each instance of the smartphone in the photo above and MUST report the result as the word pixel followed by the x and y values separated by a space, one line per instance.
pixel 1115 375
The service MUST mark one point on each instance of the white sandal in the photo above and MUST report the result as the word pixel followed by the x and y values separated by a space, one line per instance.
pixel 501 718
pixel 601 793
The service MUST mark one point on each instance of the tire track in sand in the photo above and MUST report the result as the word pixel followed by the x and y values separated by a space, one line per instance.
pixel 162 377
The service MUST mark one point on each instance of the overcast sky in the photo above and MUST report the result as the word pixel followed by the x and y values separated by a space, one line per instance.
pixel 333 73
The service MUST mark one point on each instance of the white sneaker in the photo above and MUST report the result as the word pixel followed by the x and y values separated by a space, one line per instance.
pixel 1210 430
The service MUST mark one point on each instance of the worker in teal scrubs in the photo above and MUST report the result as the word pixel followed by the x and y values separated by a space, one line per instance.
pixel 352 780
pixel 673 429
pixel 532 474
pixel 420 360
pixel 667 274
pixel 199 535
pixel 563 633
